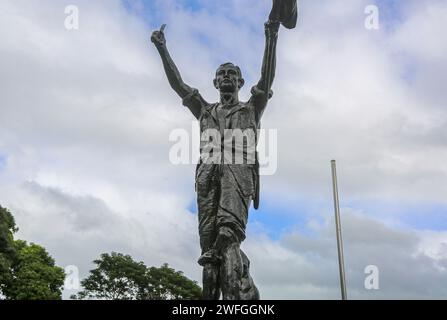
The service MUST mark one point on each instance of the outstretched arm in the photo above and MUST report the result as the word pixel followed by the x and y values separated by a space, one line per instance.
pixel 174 77
pixel 269 61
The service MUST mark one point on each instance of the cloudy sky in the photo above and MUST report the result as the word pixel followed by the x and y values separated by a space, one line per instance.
pixel 85 119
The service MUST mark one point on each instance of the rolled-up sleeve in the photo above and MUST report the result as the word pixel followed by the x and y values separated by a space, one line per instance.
pixel 259 99
pixel 194 102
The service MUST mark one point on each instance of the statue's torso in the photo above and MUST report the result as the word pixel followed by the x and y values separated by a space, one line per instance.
pixel 232 125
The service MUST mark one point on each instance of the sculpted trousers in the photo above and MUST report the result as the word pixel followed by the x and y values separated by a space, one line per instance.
pixel 223 213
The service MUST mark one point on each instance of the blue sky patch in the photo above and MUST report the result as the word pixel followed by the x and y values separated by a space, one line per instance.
pixel 409 214
pixel 391 12
pixel 3 159
pixel 150 10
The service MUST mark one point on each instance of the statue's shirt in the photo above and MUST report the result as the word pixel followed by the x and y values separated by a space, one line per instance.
pixel 221 122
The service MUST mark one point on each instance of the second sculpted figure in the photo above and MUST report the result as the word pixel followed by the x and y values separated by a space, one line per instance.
pixel 225 190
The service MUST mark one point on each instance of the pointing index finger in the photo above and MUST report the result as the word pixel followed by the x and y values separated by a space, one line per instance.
pixel 162 29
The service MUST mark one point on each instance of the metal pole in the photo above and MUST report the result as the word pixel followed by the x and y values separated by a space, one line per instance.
pixel 341 262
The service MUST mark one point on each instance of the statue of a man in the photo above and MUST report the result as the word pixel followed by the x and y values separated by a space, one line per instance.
pixel 225 190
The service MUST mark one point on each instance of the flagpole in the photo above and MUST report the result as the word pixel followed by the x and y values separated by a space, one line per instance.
pixel 341 263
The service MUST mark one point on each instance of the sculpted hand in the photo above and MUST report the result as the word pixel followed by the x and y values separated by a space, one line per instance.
pixel 158 37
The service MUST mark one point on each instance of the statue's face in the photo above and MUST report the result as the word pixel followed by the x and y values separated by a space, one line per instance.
pixel 228 79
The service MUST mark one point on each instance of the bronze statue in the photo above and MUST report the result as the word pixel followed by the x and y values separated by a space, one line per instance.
pixel 226 189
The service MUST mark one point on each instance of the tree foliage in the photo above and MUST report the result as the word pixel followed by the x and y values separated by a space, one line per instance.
pixel 34 275
pixel 7 230
pixel 116 277
pixel 165 283
pixel 7 250
pixel 27 271
pixel 119 277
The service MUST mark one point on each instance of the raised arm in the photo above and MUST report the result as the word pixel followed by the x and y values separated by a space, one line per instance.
pixel 262 91
pixel 191 97
pixel 269 61
pixel 174 77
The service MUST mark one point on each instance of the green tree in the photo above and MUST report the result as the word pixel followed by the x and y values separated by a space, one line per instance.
pixel 119 277
pixel 34 275
pixel 7 250
pixel 165 283
pixel 116 277
pixel 27 271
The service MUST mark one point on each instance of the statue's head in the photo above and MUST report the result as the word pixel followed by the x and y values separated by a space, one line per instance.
pixel 228 78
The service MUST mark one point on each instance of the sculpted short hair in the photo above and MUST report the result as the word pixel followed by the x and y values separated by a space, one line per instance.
pixel 229 64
